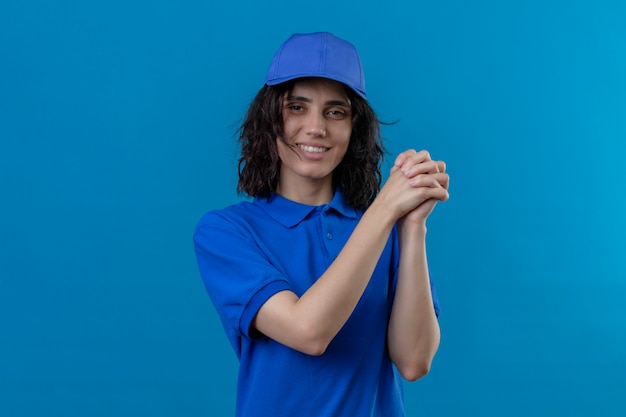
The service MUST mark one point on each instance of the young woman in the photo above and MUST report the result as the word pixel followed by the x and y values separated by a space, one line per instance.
pixel 321 281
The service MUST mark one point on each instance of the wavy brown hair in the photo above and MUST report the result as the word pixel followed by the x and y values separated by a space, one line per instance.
pixel 357 175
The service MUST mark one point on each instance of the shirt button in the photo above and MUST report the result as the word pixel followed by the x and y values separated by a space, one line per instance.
pixel 329 236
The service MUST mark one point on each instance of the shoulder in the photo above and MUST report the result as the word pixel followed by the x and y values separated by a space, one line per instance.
pixel 225 229
pixel 236 214
pixel 245 220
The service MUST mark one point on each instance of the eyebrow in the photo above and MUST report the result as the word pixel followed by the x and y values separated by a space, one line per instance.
pixel 328 103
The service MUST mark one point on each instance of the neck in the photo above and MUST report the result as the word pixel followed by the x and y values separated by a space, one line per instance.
pixel 312 193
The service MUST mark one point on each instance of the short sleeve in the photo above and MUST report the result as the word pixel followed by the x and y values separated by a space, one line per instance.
pixel 237 275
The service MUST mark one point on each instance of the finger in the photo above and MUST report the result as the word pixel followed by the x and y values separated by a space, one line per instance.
pixel 436 193
pixel 412 155
pixel 443 179
pixel 424 155
pixel 439 179
pixel 413 167
pixel 439 182
pixel 402 157
pixel 446 183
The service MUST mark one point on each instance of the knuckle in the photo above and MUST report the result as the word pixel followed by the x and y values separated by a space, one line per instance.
pixel 423 180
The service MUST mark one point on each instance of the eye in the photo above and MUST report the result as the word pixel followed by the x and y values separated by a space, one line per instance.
pixel 294 107
pixel 336 113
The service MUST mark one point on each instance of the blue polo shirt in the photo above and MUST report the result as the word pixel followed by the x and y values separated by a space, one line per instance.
pixel 252 250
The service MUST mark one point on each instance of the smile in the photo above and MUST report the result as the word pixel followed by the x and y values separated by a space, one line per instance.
pixel 312 149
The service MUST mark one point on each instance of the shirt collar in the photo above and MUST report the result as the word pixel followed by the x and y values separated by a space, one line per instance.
pixel 290 213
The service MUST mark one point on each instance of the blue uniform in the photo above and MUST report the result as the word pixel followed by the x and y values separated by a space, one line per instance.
pixel 252 250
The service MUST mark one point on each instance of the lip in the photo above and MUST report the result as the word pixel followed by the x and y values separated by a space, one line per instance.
pixel 311 154
pixel 314 144
pixel 318 148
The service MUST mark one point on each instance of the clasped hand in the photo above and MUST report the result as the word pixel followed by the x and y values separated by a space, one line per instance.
pixel 415 185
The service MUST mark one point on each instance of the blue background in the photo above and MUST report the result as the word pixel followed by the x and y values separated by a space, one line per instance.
pixel 117 125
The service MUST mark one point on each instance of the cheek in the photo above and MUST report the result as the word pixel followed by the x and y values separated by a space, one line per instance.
pixel 346 137
pixel 283 149
pixel 347 129
pixel 289 128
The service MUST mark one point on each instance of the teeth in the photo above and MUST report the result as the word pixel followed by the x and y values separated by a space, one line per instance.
pixel 312 149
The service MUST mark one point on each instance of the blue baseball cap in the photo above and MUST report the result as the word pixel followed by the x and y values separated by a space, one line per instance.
pixel 319 54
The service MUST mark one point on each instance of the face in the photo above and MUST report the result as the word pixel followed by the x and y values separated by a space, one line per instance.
pixel 317 126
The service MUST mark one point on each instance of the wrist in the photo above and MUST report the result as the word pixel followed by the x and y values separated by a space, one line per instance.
pixel 382 213
pixel 412 230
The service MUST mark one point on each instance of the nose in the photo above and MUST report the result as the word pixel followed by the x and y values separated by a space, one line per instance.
pixel 316 125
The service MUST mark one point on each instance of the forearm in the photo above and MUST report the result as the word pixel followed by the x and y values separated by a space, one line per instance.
pixel 413 336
